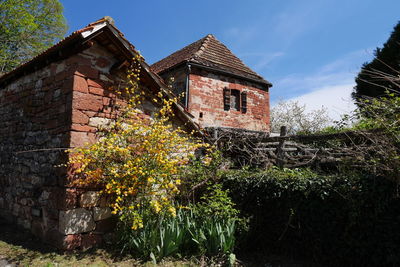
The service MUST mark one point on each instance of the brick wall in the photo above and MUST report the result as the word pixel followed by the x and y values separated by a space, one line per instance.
pixel 61 106
pixel 206 97
pixel 85 218
pixel 43 113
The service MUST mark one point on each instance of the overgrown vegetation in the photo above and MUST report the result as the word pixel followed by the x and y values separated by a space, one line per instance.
pixel 347 219
pixel 141 163
pixel 173 201
pixel 345 216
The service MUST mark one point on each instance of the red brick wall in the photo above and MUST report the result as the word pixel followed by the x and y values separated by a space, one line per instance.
pixel 58 106
pixel 93 99
pixel 42 113
pixel 206 96
pixel 86 217
pixel 94 103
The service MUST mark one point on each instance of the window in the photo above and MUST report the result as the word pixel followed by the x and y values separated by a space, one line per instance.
pixel 235 100
pixel 244 101
pixel 227 99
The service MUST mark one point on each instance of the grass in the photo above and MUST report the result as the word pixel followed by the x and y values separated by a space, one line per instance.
pixel 92 258
pixel 21 248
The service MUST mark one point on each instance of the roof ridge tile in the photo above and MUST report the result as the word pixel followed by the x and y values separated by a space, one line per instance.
pixel 208 51
pixel 200 50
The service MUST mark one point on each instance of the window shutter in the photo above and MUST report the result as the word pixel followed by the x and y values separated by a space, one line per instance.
pixel 244 102
pixel 227 99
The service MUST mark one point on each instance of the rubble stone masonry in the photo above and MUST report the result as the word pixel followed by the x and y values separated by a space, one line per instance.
pixel 42 114
pixel 45 112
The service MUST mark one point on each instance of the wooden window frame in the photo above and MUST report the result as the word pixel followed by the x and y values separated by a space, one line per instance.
pixel 241 102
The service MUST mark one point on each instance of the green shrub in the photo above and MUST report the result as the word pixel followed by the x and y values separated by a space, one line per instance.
pixel 205 226
pixel 217 203
pixel 338 220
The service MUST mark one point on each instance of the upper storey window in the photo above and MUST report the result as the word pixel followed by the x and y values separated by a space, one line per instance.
pixel 234 100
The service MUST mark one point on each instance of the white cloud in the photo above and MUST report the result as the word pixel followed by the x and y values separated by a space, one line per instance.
pixel 336 99
pixel 260 60
pixel 330 86
pixel 338 72
pixel 295 84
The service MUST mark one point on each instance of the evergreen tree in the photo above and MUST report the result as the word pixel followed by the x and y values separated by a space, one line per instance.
pixel 27 27
pixel 371 80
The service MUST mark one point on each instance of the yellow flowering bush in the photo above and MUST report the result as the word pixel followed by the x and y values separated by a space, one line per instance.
pixel 137 160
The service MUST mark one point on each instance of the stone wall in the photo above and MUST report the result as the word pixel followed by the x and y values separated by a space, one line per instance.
pixel 60 106
pixel 35 112
pixel 87 219
pixel 206 97
pixel 43 113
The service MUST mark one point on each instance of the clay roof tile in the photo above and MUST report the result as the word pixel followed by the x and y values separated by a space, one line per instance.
pixel 209 52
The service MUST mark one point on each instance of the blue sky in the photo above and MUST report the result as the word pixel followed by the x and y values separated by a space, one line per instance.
pixel 310 50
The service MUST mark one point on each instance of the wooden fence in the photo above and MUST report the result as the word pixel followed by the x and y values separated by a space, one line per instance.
pixel 254 148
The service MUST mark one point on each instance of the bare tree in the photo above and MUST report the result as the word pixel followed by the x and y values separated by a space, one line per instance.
pixel 294 116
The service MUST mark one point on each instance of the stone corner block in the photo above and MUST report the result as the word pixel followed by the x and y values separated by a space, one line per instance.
pixel 90 199
pixel 98 121
pixel 101 213
pixel 76 221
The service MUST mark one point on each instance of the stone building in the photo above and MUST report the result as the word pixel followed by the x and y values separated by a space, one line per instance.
pixel 58 99
pixel 217 88
pixel 54 102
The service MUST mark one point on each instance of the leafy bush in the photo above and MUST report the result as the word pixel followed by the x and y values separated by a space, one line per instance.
pixel 141 164
pixel 337 220
pixel 138 161
pixel 206 226
pixel 145 165
pixel 217 203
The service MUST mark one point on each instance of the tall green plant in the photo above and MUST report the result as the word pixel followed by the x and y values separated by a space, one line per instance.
pixel 214 236
pixel 187 233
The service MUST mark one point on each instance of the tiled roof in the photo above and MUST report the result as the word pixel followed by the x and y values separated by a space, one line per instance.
pixel 80 35
pixel 208 52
